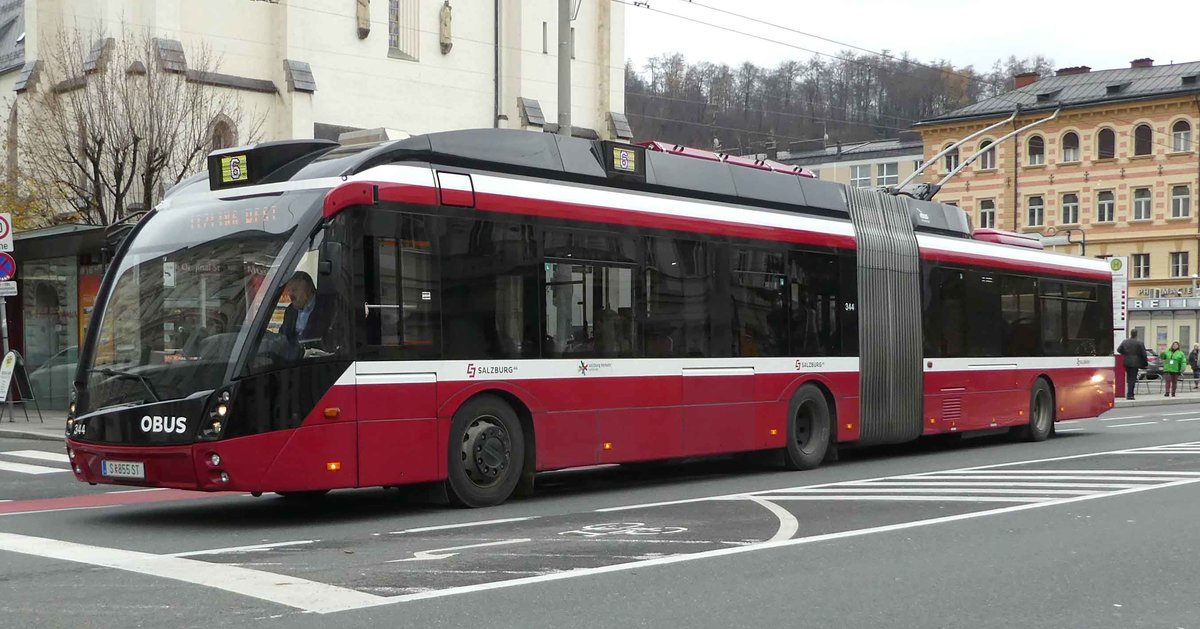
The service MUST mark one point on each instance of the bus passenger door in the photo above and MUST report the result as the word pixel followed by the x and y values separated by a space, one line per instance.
pixel 397 305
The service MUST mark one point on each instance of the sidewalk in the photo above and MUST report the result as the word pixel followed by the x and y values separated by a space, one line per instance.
pixel 1150 393
pixel 51 429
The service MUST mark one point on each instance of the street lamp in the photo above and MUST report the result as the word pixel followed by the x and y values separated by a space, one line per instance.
pixel 1082 242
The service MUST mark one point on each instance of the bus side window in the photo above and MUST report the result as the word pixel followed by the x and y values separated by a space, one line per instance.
pixel 678 289
pixel 816 304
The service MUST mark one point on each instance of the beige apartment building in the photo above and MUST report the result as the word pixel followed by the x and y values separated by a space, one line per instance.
pixel 1117 173
pixel 859 164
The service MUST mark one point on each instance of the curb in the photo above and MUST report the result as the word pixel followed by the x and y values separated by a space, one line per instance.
pixel 1155 400
pixel 10 433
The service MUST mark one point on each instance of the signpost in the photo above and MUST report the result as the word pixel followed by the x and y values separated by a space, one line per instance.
pixel 8 288
pixel 1120 303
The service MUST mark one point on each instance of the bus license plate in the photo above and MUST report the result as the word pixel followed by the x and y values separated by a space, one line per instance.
pixel 123 469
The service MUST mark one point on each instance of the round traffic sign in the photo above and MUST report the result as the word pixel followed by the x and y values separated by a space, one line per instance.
pixel 5 227
pixel 8 267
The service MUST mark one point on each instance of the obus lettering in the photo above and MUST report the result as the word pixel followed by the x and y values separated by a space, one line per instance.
pixel 161 423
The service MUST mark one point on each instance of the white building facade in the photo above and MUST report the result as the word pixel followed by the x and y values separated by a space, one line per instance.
pixel 314 68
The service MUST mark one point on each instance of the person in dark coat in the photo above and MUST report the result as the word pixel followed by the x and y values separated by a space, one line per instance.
pixel 1133 357
pixel 307 317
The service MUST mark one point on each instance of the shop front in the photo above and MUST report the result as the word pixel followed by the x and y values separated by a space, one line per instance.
pixel 59 272
pixel 1160 321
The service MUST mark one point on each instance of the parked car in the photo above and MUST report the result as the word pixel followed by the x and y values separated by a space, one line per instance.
pixel 1154 367
pixel 51 382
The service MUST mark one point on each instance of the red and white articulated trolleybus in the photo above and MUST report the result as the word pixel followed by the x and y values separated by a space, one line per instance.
pixel 472 307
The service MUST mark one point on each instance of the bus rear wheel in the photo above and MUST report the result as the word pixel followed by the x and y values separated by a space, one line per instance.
pixel 1041 413
pixel 487 453
pixel 809 429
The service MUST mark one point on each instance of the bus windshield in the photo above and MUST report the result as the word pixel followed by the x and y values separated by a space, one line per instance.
pixel 185 295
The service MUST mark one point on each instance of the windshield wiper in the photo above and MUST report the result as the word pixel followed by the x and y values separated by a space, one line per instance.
pixel 116 373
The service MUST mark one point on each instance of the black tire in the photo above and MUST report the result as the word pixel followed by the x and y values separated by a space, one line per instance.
pixel 486 453
pixel 809 429
pixel 1041 413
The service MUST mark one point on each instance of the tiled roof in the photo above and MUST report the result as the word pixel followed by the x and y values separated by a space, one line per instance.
pixel 849 152
pixel 1088 88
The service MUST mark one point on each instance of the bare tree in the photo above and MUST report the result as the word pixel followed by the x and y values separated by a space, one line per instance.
pixel 113 123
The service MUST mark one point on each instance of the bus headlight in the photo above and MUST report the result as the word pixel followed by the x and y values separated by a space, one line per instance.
pixel 216 418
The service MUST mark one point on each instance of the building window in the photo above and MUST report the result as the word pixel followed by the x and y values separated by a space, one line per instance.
pixel 1143 139
pixel 987 161
pixel 951 159
pixel 1106 144
pixel 1141 266
pixel 1181 136
pixel 1105 207
pixel 403 28
pixel 222 134
pixel 545 38
pixel 1179 264
pixel 1037 211
pixel 1070 147
pixel 860 176
pixel 1141 204
pixel 1181 202
pixel 1070 209
pixel 889 174
pixel 1036 150
pixel 987 214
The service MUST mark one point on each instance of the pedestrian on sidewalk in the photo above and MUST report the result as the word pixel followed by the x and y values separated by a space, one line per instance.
pixel 1133 357
pixel 1173 360
pixel 1194 363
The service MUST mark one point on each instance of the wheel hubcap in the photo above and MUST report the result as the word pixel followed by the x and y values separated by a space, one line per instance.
pixel 486 451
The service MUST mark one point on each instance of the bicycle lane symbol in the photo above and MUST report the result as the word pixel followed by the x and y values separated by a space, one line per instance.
pixel 637 529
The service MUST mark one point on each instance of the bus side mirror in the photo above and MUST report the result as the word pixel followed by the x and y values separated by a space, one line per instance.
pixel 330 266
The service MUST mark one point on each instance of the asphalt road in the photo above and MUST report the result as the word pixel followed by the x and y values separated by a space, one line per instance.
pixel 1095 527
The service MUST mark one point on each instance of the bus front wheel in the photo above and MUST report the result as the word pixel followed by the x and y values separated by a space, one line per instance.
pixel 809 429
pixel 487 452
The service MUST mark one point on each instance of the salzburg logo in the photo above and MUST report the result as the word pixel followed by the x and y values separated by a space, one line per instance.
pixel 470 370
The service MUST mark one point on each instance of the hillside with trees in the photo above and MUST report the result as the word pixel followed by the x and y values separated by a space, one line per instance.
pixel 849 98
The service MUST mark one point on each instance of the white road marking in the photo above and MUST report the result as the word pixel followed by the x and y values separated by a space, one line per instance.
pixel 1024 477
pixel 1134 424
pixel 788 525
pixel 440 553
pixel 905 489
pixel 461 525
pixel 242 549
pixel 982 485
pixel 736 550
pixel 814 497
pixel 275 588
pixel 1172 414
pixel 979 471
pixel 1069 429
pixel 1189 419
pixel 25 468
pixel 56 457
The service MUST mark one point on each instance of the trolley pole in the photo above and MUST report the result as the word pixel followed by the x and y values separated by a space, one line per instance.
pixel 564 67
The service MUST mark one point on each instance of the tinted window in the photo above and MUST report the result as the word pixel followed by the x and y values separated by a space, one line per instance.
pixel 944 312
pixel 1018 311
pixel 589 310
pixel 757 291
pixel 489 273
pixel 401 293
pixel 816 304
pixel 678 280
pixel 1054 333
pixel 983 315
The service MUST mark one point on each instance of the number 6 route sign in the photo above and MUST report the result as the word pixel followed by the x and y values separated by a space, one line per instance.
pixel 6 232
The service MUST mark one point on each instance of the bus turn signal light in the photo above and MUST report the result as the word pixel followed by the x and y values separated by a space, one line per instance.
pixel 608 445
pixel 333 466
pixel 333 412
pixel 774 431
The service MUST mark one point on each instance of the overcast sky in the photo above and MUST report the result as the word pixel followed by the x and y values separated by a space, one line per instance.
pixel 1100 34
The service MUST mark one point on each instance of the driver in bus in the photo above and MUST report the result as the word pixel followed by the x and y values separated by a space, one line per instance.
pixel 307 317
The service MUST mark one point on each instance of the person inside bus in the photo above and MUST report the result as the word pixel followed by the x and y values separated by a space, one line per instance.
pixel 307 317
